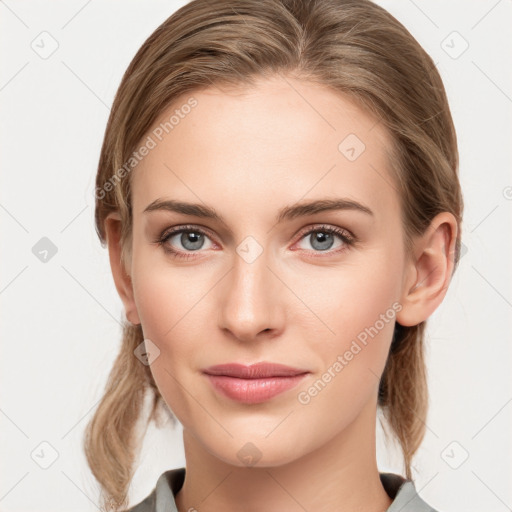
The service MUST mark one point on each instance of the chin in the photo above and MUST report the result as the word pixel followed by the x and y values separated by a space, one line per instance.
pixel 256 451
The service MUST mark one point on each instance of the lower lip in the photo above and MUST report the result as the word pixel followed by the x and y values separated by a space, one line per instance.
pixel 253 391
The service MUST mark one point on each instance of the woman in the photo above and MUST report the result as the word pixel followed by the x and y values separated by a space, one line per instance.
pixel 278 192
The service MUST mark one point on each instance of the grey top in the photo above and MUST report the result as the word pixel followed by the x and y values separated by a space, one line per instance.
pixel 401 491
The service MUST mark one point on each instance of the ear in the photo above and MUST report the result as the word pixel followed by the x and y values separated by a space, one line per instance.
pixel 429 272
pixel 121 271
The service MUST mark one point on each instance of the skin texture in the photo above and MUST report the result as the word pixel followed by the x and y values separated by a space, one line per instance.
pixel 248 153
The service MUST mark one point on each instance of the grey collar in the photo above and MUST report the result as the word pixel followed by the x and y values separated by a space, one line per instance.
pixel 401 491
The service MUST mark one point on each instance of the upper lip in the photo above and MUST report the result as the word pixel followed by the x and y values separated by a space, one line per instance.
pixel 254 371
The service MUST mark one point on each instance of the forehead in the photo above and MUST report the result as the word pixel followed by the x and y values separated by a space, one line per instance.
pixel 268 145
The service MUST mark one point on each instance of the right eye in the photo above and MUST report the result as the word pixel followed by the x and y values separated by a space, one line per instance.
pixel 191 239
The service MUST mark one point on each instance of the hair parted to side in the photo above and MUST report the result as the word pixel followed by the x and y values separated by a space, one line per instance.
pixel 352 46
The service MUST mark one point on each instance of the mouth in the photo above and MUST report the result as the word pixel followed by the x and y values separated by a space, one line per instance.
pixel 253 384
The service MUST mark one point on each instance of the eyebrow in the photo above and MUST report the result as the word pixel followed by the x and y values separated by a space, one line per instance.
pixel 287 213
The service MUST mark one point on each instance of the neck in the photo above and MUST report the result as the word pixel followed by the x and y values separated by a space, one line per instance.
pixel 340 475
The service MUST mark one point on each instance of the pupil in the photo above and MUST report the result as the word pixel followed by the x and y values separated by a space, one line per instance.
pixel 323 239
pixel 191 240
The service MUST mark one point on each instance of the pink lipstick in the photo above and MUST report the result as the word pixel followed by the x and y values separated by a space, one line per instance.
pixel 253 384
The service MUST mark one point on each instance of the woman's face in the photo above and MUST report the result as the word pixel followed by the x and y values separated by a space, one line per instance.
pixel 259 285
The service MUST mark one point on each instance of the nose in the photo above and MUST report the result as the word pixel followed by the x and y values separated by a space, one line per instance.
pixel 250 301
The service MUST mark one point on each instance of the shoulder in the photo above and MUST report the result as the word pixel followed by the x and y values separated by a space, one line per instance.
pixel 146 505
pixel 162 496
pixel 404 495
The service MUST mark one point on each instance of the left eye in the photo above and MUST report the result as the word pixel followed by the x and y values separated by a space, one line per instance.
pixel 322 238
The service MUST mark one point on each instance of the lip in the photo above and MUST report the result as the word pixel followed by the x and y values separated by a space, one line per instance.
pixel 253 384
pixel 254 371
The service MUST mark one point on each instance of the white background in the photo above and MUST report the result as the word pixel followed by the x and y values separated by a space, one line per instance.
pixel 60 319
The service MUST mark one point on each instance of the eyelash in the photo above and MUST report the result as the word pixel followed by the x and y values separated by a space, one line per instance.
pixel 348 239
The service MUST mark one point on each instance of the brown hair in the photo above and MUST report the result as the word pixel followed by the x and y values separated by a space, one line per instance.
pixel 354 47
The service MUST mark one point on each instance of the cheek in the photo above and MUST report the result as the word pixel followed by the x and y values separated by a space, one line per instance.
pixel 346 300
pixel 355 311
pixel 165 299
pixel 361 313
pixel 169 310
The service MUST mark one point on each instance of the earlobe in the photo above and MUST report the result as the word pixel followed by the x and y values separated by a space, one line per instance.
pixel 430 273
pixel 120 273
